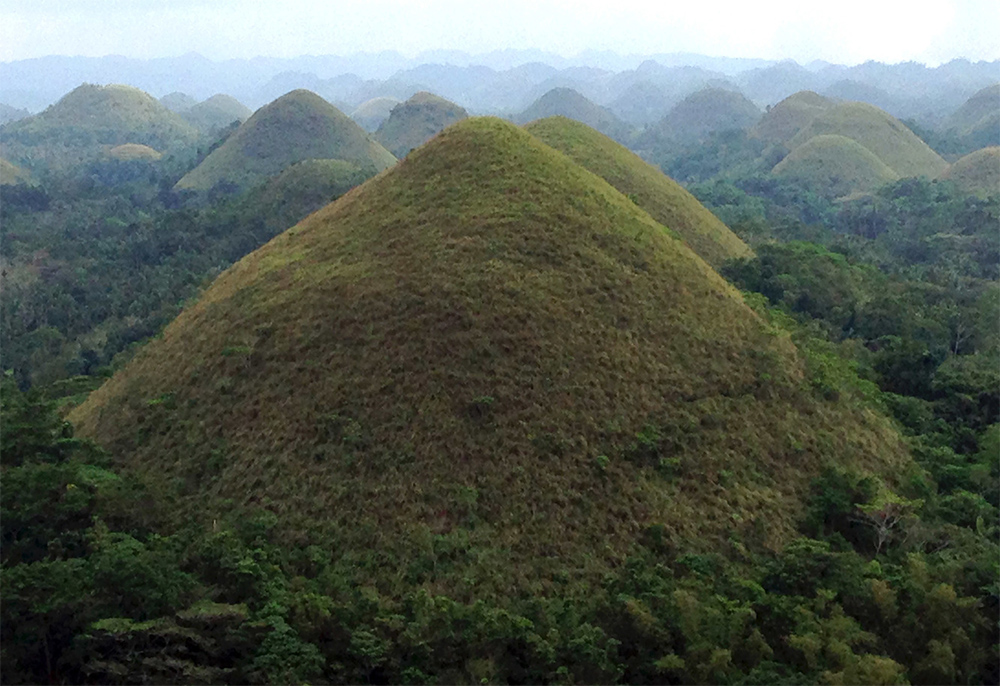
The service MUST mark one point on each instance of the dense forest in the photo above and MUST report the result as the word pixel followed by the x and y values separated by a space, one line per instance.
pixel 892 298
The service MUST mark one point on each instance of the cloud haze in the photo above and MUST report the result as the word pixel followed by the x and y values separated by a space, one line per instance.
pixel 848 31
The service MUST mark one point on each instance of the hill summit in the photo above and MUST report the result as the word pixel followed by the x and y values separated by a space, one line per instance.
pixel 566 102
pixel 486 348
pixel 414 122
pixel 708 110
pixel 666 201
pixel 297 126
pixel 978 172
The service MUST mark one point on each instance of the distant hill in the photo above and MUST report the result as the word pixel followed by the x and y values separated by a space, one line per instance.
pixel 642 103
pixel 486 348
pixel 295 127
pixel 178 102
pixel 835 166
pixel 894 144
pixel 665 200
pixel 566 102
pixel 216 113
pixel 9 114
pixel 371 113
pixel 133 151
pixel 87 122
pixel 781 122
pixel 708 110
pixel 978 172
pixel 414 122
pixel 979 111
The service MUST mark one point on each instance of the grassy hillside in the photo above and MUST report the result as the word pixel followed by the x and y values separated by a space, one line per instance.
pixel 665 200
pixel 977 172
pixel 898 147
pixel 133 151
pixel 85 123
pixel 295 127
pixel 486 350
pixel 414 122
pixel 780 123
pixel 708 110
pixel 835 166
pixel 371 113
pixel 178 102
pixel 566 102
pixel 982 109
pixel 216 113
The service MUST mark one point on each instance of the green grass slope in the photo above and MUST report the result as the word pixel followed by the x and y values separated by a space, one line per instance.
pixel 780 123
pixel 982 109
pixel 133 151
pixel 88 121
pixel 708 110
pixel 566 102
pixel 416 121
pixel 297 126
pixel 665 200
pixel 835 166
pixel 486 350
pixel 978 172
pixel 898 147
pixel 216 113
pixel 372 113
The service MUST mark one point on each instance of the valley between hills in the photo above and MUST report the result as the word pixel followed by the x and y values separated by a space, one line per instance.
pixel 665 375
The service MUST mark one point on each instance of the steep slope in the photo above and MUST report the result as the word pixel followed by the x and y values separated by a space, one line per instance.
pixel 566 102
pixel 835 166
pixel 980 110
pixel 978 172
pixel 898 147
pixel 216 113
pixel 487 350
pixel 665 200
pixel 371 113
pixel 295 127
pixel 708 110
pixel 780 123
pixel 414 122
pixel 85 123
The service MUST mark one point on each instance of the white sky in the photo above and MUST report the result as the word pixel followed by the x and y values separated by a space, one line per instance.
pixel 841 31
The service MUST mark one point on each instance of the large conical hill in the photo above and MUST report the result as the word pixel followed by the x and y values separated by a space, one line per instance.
pixel 978 172
pixel 480 372
pixel 297 126
pixel 414 122
pixel 90 120
pixel 835 166
pixel 566 102
pixel 979 111
pixel 371 113
pixel 706 111
pixel 781 122
pixel 666 201
pixel 898 147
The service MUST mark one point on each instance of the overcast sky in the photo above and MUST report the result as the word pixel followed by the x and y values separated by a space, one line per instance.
pixel 842 31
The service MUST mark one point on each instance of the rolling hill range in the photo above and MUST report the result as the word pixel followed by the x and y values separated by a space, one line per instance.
pixel 566 102
pixel 979 111
pixel 781 122
pixel 708 110
pixel 295 127
pixel 371 113
pixel 665 200
pixel 487 347
pixel 414 122
pixel 977 172
pixel 216 113
pixel 898 147
pixel 90 120
pixel 835 166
